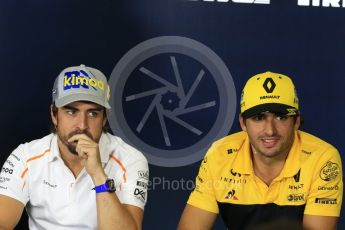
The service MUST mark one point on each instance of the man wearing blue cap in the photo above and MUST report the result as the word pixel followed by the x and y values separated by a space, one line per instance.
pixel 80 176
pixel 270 173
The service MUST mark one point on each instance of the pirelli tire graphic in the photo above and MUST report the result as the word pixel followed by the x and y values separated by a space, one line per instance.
pixel 171 97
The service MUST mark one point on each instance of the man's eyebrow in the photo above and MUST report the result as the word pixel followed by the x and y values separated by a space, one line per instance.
pixel 69 107
pixel 96 109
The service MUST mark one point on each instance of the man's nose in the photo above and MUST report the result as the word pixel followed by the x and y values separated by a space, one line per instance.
pixel 270 127
pixel 82 122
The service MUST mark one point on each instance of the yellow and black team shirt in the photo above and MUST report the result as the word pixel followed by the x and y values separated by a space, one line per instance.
pixel 310 183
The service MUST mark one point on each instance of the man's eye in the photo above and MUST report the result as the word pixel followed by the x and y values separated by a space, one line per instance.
pixel 70 112
pixel 93 114
pixel 281 117
pixel 258 117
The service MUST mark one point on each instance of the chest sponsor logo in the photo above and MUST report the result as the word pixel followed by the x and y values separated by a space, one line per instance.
pixel 4 179
pixel 235 173
pixel 230 151
pixel 140 194
pixel 231 194
pixel 49 184
pixel 296 197
pixel 8 162
pixel 233 180
pixel 143 174
pixel 7 170
pixel 142 184
pixel 306 152
pixel 296 186
pixel 326 200
pixel 329 171
pixel 328 188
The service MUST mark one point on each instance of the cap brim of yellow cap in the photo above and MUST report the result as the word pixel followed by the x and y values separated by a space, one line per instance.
pixel 270 107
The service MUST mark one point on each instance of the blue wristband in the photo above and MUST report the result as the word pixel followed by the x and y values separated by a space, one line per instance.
pixel 108 186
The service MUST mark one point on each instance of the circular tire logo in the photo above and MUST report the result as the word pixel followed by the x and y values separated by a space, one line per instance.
pixel 171 97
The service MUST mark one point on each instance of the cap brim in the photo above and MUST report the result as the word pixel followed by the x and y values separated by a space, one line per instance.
pixel 270 107
pixel 80 97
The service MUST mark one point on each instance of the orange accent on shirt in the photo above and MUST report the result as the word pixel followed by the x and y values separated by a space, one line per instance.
pixel 121 165
pixel 31 159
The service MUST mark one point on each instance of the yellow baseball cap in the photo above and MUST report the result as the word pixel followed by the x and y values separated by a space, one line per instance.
pixel 269 92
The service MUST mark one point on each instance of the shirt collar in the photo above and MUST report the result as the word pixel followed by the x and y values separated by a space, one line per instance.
pixel 54 149
pixel 243 162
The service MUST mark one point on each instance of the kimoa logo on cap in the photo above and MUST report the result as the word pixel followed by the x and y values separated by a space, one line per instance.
pixel 75 79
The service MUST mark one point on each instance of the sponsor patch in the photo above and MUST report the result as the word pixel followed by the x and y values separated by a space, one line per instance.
pixel 235 173
pixel 4 179
pixel 231 194
pixel 326 200
pixel 9 163
pixel 328 188
pixel 329 171
pixel 296 197
pixel 143 174
pixel 77 79
pixel 140 194
pixel 49 184
pixel 142 184
pixel 7 170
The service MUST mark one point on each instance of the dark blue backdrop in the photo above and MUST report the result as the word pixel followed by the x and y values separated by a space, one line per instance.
pixel 39 38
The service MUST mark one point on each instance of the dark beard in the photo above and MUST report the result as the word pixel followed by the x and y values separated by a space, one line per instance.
pixel 72 146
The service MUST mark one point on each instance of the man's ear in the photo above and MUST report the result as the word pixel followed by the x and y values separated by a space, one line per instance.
pixel 242 123
pixel 105 117
pixel 298 122
pixel 53 115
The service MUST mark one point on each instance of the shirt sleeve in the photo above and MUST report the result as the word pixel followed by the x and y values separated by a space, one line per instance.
pixel 326 192
pixel 203 195
pixel 134 190
pixel 13 176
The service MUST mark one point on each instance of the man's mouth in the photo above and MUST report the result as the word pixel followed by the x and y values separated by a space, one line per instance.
pixel 269 142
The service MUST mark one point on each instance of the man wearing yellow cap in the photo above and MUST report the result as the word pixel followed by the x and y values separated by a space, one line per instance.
pixel 270 171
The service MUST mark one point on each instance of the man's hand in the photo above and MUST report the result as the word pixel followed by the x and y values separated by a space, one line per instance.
pixel 88 150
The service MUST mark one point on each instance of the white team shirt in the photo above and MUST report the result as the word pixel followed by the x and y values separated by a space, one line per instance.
pixel 36 175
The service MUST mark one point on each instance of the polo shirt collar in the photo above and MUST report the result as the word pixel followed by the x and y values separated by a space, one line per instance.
pixel 54 149
pixel 243 162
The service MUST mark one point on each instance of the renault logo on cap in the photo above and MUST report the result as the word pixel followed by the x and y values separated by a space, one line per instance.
pixel 269 85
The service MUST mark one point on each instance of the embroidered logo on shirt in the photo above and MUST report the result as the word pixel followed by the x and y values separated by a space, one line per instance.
pixel 49 184
pixel 329 171
pixel 231 194
pixel 326 200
